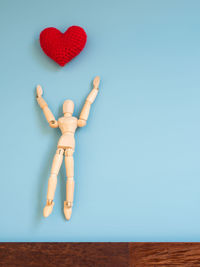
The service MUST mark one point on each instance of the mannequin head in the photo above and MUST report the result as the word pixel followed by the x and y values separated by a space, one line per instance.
pixel 68 107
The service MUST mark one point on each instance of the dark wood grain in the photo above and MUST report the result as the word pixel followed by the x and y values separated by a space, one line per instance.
pixel 64 254
pixel 164 254
pixel 99 254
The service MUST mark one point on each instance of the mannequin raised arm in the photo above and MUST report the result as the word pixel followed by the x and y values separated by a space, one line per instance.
pixel 89 100
pixel 47 112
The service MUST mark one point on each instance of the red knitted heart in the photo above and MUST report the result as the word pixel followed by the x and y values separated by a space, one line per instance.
pixel 62 47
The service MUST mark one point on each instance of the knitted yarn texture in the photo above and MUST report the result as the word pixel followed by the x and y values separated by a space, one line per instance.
pixel 63 47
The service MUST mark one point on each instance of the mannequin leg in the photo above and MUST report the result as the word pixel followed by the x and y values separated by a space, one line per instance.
pixel 57 161
pixel 69 163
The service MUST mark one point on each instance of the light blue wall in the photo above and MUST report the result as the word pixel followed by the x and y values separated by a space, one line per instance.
pixel 137 165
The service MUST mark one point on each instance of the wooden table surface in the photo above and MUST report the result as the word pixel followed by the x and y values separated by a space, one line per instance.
pixel 99 254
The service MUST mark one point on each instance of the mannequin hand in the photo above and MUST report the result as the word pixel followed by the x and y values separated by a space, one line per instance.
pixel 39 91
pixel 96 82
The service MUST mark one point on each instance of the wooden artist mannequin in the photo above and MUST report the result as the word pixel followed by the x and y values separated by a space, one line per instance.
pixel 66 145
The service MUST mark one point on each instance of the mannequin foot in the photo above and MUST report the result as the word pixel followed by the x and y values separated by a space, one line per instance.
pixel 48 208
pixel 67 210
